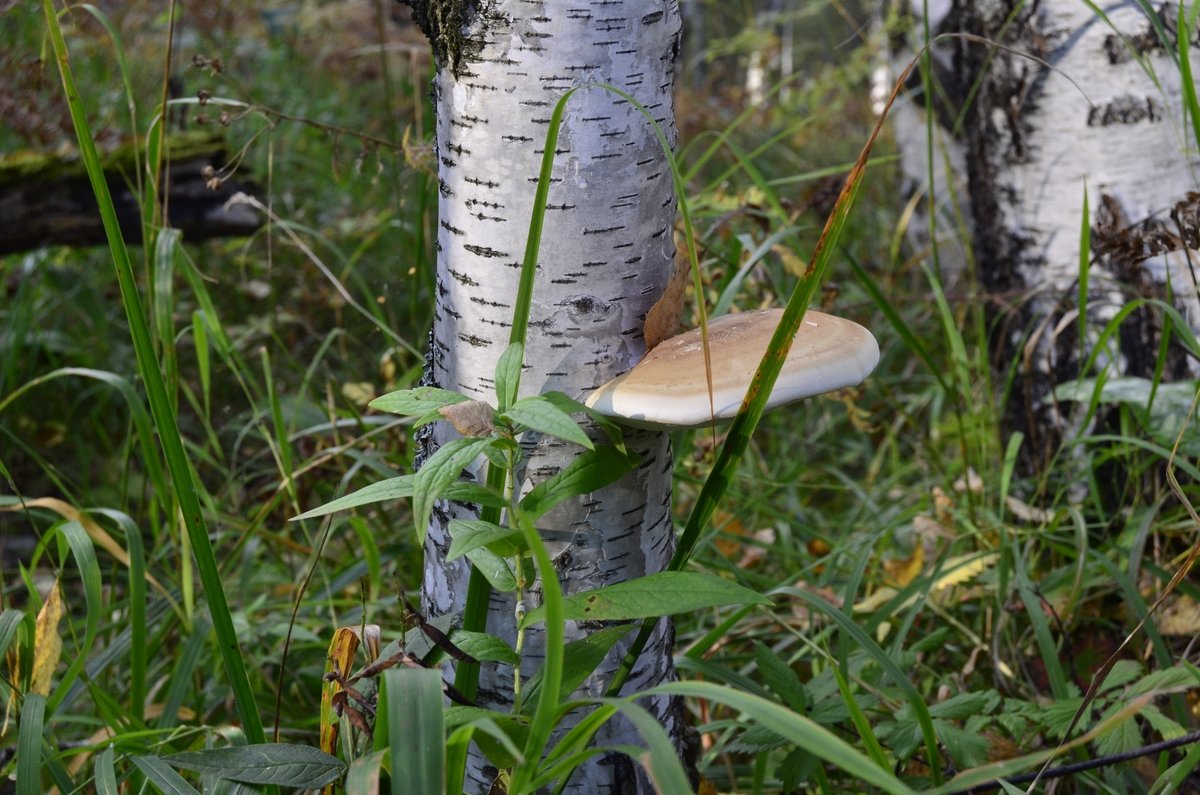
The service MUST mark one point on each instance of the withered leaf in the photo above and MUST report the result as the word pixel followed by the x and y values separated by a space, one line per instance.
pixel 662 321
pixel 470 418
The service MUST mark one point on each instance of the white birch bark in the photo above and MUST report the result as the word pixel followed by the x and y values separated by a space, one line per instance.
pixel 1104 114
pixel 606 254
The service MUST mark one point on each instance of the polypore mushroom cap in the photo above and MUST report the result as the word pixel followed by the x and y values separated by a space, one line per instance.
pixel 668 388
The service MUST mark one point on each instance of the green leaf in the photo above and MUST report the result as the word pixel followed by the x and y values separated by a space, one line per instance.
pixel 967 748
pixel 10 619
pixel 363 776
pixel 414 730
pixel 390 489
pixel 29 744
pixel 964 705
pixel 443 468
pixel 106 773
pixel 780 678
pixel 499 736
pixel 541 415
pixel 1177 677
pixel 484 647
pixel 570 405
pixel 508 374
pixel 795 728
pixel 467 535
pixel 591 470
pixel 580 657
pixel 494 568
pixel 418 401
pixel 1124 736
pixel 283 764
pixel 662 594
pixel 164 778
pixel 187 489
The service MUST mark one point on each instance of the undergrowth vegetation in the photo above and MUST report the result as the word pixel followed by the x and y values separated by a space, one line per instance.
pixel 928 616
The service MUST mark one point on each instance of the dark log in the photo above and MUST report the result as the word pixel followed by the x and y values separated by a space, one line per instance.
pixel 46 199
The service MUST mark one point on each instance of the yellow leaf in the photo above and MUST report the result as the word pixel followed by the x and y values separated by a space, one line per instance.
pixel 962 568
pixel 877 600
pixel 901 572
pixel 47 644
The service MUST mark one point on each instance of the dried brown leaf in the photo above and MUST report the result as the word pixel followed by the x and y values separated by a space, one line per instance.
pixel 470 418
pixel 662 321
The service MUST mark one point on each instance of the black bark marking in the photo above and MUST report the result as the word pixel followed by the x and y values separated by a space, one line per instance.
pixel 1126 109
pixel 484 251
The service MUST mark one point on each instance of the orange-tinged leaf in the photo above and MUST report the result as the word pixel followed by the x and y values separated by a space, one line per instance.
pixel 47 644
pixel 342 648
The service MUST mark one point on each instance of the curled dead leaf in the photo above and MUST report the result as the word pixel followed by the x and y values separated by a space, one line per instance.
pixel 470 418
pixel 662 321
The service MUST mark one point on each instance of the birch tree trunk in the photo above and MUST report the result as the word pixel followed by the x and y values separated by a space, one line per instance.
pixel 1101 113
pixel 606 255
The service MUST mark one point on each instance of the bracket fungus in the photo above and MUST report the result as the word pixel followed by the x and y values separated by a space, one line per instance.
pixel 668 390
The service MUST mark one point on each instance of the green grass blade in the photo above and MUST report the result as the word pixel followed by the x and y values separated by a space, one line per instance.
pixel 796 729
pixel 186 488
pixel 546 714
pixel 29 744
pixel 163 777
pixel 89 572
pixel 137 611
pixel 898 677
pixel 415 733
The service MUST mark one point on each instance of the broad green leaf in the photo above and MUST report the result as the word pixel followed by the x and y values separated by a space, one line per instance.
pixel 662 594
pixel 1177 677
pixel 580 658
pixel 570 405
pixel 494 568
pixel 964 705
pixel 795 728
pixel 498 736
pixel 163 777
pixel 541 415
pixel 418 401
pixel 467 535
pixel 484 647
pixel 780 678
pixel 390 489
pixel 415 730
pixel 591 470
pixel 443 468
pixel 966 748
pixel 282 764
pixel 508 374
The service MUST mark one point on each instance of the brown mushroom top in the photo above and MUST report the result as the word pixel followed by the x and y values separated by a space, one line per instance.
pixel 668 388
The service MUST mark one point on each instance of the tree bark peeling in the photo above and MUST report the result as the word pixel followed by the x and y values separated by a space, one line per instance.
pixel 606 255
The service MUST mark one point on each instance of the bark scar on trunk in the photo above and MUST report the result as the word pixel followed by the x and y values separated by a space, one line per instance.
pixel 444 23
